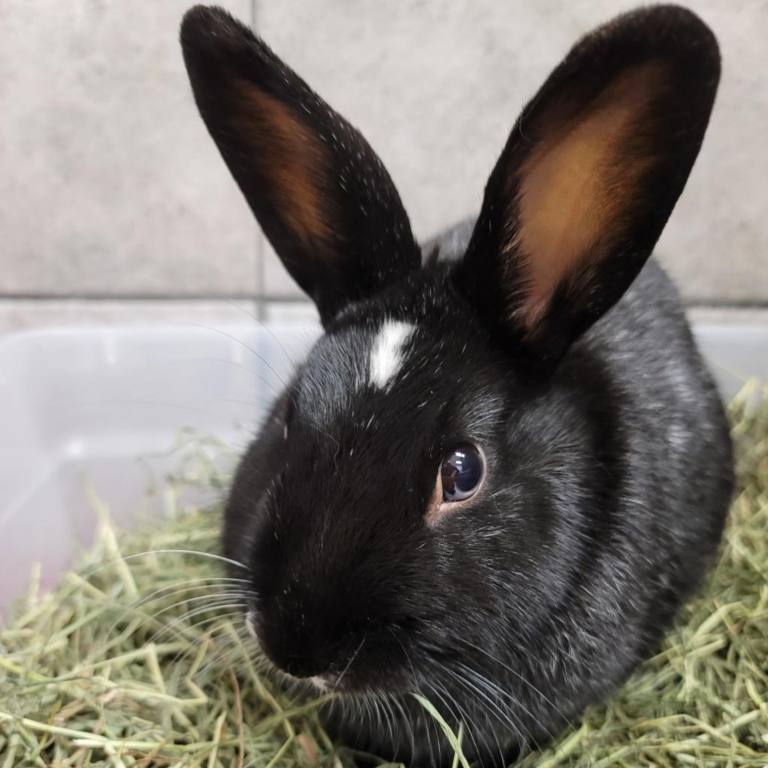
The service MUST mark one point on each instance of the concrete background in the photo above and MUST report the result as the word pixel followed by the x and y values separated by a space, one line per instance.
pixel 115 205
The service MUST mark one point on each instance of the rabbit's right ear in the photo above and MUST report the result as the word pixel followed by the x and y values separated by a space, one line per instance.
pixel 588 178
pixel 320 193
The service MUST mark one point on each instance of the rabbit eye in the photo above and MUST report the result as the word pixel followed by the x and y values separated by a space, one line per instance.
pixel 461 472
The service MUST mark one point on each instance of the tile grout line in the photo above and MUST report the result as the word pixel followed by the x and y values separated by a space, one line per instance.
pixel 725 304
pixel 154 298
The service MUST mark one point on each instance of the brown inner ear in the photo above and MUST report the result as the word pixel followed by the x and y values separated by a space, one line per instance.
pixel 580 183
pixel 292 162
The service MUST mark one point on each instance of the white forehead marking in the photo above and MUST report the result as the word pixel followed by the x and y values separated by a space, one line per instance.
pixel 387 351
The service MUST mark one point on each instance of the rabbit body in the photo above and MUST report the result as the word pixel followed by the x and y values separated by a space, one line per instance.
pixel 504 466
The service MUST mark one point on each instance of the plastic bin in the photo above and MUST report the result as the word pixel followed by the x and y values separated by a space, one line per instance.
pixel 107 404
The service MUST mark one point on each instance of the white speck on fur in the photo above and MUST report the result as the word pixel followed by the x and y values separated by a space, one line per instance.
pixel 387 352
pixel 250 623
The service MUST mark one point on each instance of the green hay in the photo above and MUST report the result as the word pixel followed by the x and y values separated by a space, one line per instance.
pixel 132 662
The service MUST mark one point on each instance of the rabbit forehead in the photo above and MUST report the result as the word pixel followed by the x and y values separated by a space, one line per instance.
pixel 403 372
pixel 357 365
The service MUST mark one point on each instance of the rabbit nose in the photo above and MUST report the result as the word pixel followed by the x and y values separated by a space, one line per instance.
pixel 300 647
pixel 298 657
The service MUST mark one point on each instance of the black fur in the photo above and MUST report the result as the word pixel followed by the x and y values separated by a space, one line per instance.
pixel 609 470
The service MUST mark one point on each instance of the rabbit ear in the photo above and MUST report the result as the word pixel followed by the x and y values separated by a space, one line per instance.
pixel 320 193
pixel 589 177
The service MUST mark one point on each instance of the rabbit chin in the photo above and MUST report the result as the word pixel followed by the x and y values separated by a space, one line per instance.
pixel 398 729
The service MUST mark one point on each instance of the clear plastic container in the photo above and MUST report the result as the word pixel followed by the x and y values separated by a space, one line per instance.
pixel 105 405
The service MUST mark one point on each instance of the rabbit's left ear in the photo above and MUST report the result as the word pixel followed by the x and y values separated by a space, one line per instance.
pixel 319 191
pixel 588 178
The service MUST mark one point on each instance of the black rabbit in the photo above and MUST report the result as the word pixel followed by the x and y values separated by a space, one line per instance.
pixel 499 471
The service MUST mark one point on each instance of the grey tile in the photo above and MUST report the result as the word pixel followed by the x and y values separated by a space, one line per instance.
pixel 436 87
pixel 19 315
pixel 110 183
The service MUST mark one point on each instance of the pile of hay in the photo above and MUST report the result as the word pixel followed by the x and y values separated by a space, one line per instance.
pixel 141 660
